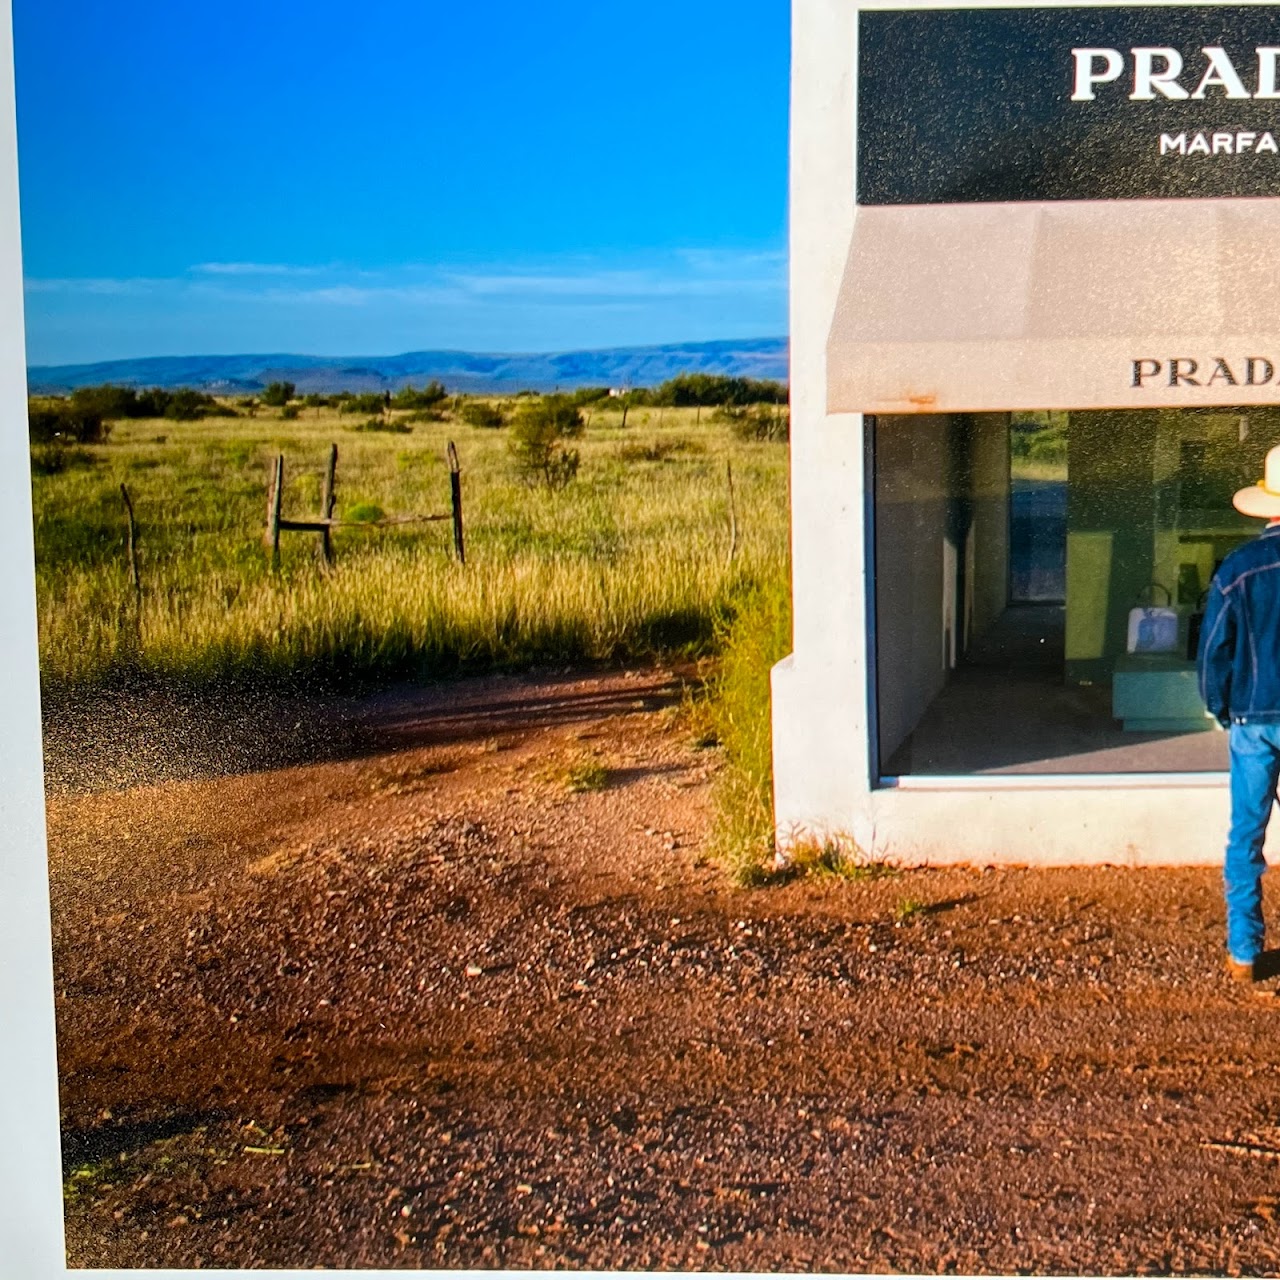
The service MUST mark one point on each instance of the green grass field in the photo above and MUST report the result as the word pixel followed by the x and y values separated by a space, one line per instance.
pixel 629 560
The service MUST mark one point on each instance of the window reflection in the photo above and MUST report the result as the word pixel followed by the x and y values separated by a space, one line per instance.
pixel 1012 551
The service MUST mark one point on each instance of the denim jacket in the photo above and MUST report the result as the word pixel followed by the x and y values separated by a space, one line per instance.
pixel 1239 658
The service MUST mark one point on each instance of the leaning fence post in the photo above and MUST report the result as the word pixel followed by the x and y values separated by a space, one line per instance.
pixel 455 498
pixel 132 548
pixel 273 510
pixel 326 504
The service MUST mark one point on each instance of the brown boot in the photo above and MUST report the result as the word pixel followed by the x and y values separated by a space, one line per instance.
pixel 1240 970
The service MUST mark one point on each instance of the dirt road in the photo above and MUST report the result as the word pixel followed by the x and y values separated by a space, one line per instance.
pixel 428 1006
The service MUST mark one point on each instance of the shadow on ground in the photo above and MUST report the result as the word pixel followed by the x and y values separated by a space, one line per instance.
pixel 108 740
pixel 105 1142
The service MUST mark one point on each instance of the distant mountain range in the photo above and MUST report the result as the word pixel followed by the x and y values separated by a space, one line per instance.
pixel 458 370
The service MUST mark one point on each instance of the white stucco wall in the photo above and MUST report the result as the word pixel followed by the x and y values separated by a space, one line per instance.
pixel 823 784
pixel 821 766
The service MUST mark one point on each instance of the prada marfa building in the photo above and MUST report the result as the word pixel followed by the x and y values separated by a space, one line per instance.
pixel 1035 325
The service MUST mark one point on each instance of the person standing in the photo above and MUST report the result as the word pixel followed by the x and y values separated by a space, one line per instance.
pixel 1238 662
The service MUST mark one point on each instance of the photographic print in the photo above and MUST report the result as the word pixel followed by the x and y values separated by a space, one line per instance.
pixel 658 632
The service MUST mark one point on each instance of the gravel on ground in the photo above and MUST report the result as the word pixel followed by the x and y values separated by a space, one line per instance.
pixel 474 995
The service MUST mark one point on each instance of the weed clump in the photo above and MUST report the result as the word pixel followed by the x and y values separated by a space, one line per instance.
pixel 756 637
pixel 479 413
pixel 659 450
pixel 585 773
pixel 736 714
pixel 538 432
pixel 829 858
pixel 757 422
pixel 53 457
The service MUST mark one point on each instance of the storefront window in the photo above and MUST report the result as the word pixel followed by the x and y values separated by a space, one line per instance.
pixel 1039 579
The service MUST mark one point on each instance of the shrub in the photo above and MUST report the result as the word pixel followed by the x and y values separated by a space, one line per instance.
pixel 477 413
pixel 108 401
pixel 188 406
pixel 153 403
pixel 757 421
pixel 368 402
pixel 708 389
pixel 659 450
pixel 182 405
pixel 364 513
pixel 430 396
pixel 290 411
pixel 560 467
pixel 51 458
pixel 538 431
pixel 1031 441
pixel 278 394
pixel 112 402
pixel 60 421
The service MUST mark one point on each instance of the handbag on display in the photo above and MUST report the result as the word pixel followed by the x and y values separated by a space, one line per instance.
pixel 1153 628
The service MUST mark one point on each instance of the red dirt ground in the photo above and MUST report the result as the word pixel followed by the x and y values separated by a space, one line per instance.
pixel 424 1005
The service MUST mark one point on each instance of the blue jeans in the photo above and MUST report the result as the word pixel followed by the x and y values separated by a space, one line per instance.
pixel 1255 770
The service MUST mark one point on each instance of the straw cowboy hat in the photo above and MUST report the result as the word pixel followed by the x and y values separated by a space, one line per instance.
pixel 1262 499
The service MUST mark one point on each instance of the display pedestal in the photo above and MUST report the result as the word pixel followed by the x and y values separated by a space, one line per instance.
pixel 1158 693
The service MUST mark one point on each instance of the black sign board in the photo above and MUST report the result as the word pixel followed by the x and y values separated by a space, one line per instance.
pixel 961 105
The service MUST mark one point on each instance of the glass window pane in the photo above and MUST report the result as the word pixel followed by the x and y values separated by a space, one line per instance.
pixel 1039 579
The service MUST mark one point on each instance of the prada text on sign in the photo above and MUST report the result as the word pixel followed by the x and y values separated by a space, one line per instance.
pixel 1143 102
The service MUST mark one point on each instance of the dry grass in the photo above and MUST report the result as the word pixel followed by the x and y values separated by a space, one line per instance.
pixel 756 637
pixel 630 560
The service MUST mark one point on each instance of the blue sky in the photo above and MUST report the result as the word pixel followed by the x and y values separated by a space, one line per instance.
pixel 339 178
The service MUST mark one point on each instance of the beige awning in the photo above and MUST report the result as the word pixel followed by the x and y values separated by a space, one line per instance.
pixel 1059 305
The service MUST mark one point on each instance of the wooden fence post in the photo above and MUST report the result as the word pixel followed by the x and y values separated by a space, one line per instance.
pixel 324 523
pixel 326 504
pixel 455 497
pixel 132 549
pixel 274 498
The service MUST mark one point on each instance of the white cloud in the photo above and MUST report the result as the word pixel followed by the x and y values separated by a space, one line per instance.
pixel 95 284
pixel 735 261
pixel 581 280
pixel 566 302
pixel 655 283
pixel 253 269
